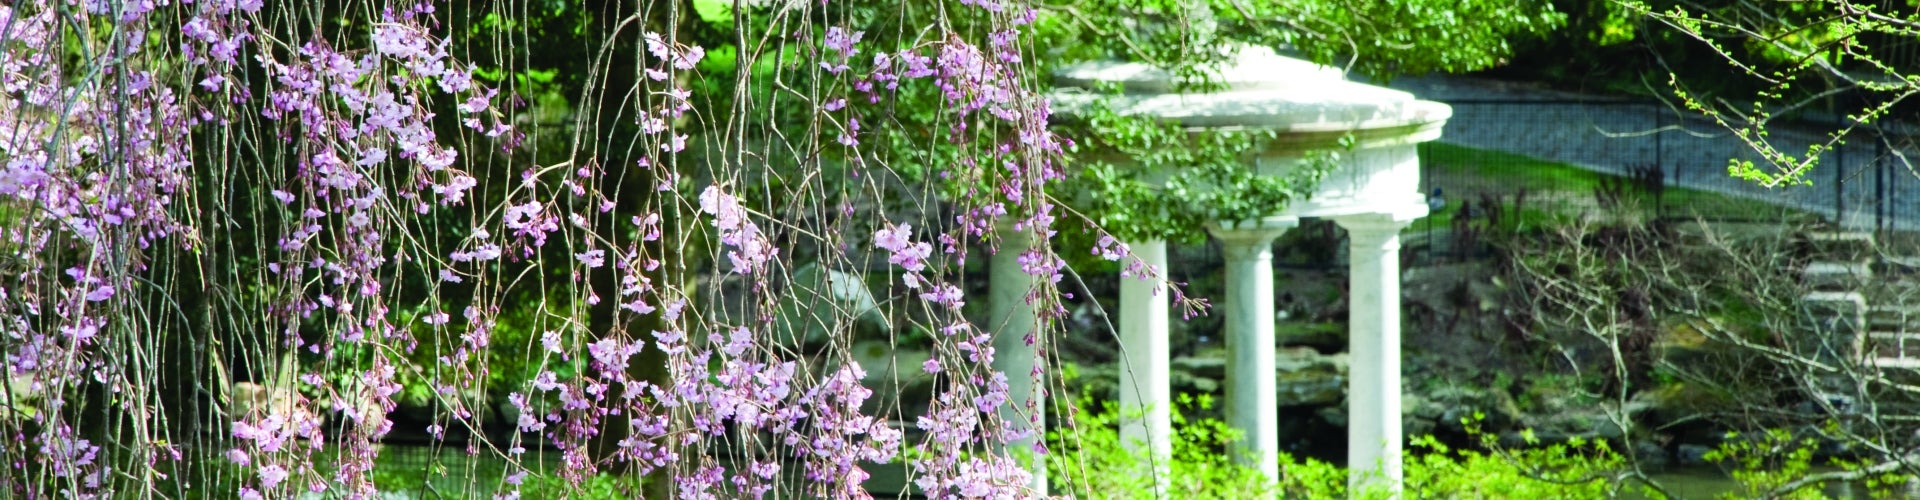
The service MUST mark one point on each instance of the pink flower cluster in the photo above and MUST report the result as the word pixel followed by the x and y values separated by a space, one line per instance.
pixel 370 122
pixel 751 248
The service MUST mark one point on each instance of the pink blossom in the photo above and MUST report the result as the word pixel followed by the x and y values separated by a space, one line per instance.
pixel 271 475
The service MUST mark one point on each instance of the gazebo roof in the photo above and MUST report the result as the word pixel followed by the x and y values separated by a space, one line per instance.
pixel 1261 90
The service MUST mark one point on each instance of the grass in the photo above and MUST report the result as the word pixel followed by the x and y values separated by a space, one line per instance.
pixel 1558 190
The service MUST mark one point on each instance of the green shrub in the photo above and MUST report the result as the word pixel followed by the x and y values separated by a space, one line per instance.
pixel 1776 463
pixel 1090 461
pixel 1577 468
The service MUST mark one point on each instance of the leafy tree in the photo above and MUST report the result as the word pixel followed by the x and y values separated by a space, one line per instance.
pixel 1842 57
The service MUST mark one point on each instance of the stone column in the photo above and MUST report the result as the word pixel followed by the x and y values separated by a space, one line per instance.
pixel 1373 309
pixel 1146 392
pixel 1013 320
pixel 1252 406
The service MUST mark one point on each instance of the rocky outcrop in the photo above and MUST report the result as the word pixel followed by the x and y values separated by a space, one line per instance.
pixel 1307 378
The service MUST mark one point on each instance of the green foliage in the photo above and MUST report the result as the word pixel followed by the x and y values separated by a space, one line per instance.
pixel 1839 58
pixel 1888 484
pixel 1765 461
pixel 1201 467
pixel 1379 38
pixel 452 474
pixel 719 13
pixel 601 486
pixel 1095 463
pixel 1577 468
pixel 1152 179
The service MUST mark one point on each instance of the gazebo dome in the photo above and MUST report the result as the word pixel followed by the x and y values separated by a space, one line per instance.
pixel 1309 107
pixel 1261 90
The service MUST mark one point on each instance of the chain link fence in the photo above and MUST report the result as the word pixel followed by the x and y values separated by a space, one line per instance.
pixel 1524 161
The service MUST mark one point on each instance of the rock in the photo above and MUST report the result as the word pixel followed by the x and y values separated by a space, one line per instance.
pixel 1677 402
pixel 1335 415
pixel 1590 424
pixel 1650 454
pixel 1459 402
pixel 1691 455
pixel 1417 416
pixel 1558 427
pixel 1304 377
pixel 1419 407
pixel 1184 380
pixel 1202 366
pixel 1325 335
pixel 1410 426
pixel 1682 344
pixel 1293 359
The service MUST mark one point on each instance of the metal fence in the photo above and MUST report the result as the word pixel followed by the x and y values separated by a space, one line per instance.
pixel 1530 159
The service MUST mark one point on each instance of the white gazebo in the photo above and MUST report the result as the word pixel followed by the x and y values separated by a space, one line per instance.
pixel 1372 192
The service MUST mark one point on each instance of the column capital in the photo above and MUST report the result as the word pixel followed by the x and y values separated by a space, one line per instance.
pixel 1376 223
pixel 1243 237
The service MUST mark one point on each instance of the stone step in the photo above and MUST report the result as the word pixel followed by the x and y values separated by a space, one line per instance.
pixel 1847 245
pixel 1894 345
pixel 1907 262
pixel 1896 318
pixel 1834 313
pixel 1836 276
pixel 1899 266
pixel 1902 363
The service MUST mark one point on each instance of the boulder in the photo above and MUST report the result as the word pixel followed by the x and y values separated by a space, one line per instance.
pixel 1325 335
pixel 1561 426
pixel 1419 416
pixel 1333 415
pixel 1304 377
pixel 1650 454
pixel 1680 343
pixel 1460 402
pixel 1690 455
pixel 1210 364
pixel 1187 382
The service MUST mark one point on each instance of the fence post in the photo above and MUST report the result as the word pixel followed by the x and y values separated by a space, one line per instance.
pixel 1660 163
pixel 1886 175
pixel 1426 187
pixel 1881 208
pixel 1840 180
